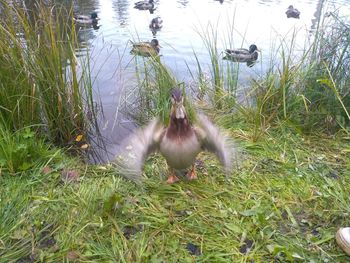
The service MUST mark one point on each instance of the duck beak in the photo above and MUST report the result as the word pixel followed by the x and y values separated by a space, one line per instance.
pixel 180 112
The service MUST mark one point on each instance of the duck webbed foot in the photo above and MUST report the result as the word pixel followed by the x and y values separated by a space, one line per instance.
pixel 172 177
pixel 192 175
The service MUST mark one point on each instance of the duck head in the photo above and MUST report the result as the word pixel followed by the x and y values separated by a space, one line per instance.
pixel 155 43
pixel 177 107
pixel 253 48
pixel 93 15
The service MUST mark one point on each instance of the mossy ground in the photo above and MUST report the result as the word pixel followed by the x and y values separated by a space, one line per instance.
pixel 283 203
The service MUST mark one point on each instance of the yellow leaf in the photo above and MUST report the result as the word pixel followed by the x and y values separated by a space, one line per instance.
pixel 79 137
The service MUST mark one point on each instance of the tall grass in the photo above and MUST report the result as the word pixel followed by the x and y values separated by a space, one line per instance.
pixel 308 90
pixel 40 83
pixel 327 84
pixel 151 97
pixel 224 75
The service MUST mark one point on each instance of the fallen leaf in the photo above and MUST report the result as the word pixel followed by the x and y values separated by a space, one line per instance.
pixel 84 146
pixel 129 231
pixel 78 138
pixel 193 249
pixel 46 170
pixel 73 256
pixel 246 247
pixel 68 176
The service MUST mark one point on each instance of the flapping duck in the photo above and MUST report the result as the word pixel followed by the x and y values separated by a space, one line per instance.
pixel 179 142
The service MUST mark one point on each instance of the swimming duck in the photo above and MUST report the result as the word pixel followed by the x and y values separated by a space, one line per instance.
pixel 292 12
pixel 156 23
pixel 83 19
pixel 146 49
pixel 242 54
pixel 144 5
pixel 179 142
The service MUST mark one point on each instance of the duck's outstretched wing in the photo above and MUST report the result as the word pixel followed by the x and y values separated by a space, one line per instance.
pixel 213 140
pixel 136 148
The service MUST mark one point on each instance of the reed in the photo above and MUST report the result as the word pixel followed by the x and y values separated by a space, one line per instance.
pixel 41 84
pixel 150 98
pixel 308 90
pixel 326 85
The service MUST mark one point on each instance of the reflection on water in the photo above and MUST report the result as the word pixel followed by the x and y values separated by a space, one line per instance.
pixel 120 8
pixel 237 23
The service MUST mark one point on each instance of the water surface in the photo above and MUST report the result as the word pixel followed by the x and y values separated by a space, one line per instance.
pixel 238 23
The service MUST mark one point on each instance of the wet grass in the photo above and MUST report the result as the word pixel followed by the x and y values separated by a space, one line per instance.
pixel 43 83
pixel 283 204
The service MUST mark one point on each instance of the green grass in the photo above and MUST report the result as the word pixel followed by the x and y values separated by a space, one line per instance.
pixel 20 151
pixel 287 198
pixel 42 84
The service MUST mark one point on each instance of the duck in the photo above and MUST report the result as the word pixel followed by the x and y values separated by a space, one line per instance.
pixel 242 54
pixel 292 12
pixel 179 142
pixel 144 5
pixel 84 19
pixel 156 23
pixel 146 49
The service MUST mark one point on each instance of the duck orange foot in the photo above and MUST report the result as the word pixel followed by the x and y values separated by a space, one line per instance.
pixel 172 179
pixel 192 175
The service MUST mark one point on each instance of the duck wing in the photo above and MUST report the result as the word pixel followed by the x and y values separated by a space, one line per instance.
pixel 136 148
pixel 213 140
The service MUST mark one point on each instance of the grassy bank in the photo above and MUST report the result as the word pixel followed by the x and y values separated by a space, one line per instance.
pixel 283 204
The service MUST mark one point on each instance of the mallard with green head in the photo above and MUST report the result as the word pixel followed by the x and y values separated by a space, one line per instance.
pixel 146 49
pixel 179 142
pixel 292 12
pixel 84 19
pixel 242 54
pixel 144 5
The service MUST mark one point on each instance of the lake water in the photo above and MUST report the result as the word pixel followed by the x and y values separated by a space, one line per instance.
pixel 238 22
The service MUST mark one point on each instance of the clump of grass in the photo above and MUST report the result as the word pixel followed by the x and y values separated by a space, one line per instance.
pixel 21 151
pixel 151 98
pixel 40 84
pixel 221 89
pixel 327 81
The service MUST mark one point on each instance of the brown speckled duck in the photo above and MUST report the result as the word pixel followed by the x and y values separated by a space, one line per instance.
pixel 146 49
pixel 179 142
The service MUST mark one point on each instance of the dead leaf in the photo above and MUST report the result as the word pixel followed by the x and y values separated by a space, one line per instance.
pixel 73 255
pixel 69 176
pixel 46 170
pixel 84 146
